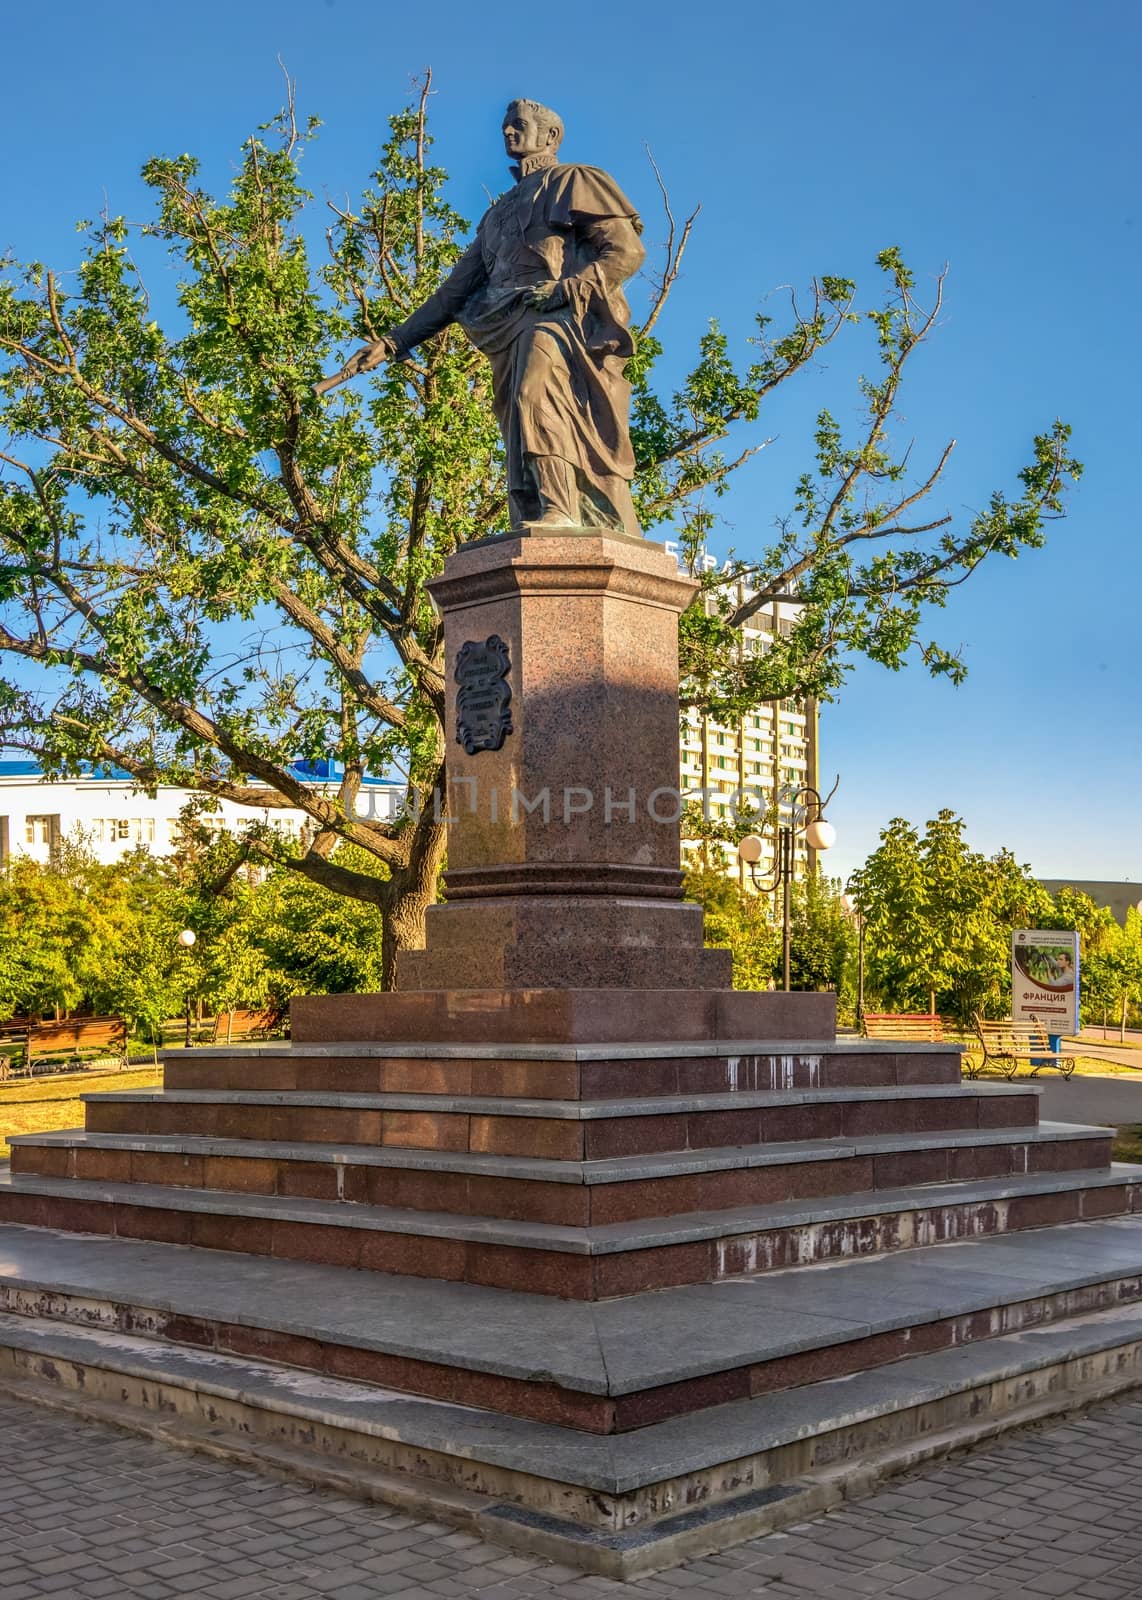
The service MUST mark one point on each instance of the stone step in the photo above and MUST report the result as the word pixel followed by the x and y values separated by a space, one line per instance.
pixel 562 1130
pixel 581 1263
pixel 618 1506
pixel 571 1193
pixel 603 1368
pixel 561 1072
pixel 505 1014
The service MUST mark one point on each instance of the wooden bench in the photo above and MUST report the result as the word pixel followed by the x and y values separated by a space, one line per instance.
pixel 923 1027
pixel 918 1027
pixel 1006 1043
pixel 233 1026
pixel 74 1038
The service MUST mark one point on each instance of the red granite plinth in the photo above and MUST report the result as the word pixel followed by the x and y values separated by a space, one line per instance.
pixel 566 942
pixel 564 859
pixel 591 626
pixel 563 1016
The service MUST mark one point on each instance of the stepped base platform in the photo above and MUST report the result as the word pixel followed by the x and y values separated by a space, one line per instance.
pixel 616 1299
pixel 245 1196
pixel 116 1329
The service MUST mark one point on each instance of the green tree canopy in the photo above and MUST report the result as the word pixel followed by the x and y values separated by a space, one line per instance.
pixel 938 918
pixel 1110 960
pixel 61 929
pixel 740 922
pixel 77 936
pixel 206 573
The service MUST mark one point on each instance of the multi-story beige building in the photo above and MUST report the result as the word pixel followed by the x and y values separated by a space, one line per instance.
pixel 729 767
pixel 732 767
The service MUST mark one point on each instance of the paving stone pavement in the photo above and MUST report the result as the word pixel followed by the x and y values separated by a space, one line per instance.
pixel 88 1512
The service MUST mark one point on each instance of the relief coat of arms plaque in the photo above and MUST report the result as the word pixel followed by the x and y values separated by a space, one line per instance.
pixel 483 702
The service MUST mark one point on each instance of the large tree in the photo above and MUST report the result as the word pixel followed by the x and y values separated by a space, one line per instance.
pixel 938 918
pixel 206 573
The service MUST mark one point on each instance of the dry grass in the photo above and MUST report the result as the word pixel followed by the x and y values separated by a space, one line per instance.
pixel 1085 1067
pixel 41 1105
pixel 1096 1067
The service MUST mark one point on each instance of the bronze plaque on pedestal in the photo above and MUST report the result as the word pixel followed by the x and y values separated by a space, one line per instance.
pixel 483 704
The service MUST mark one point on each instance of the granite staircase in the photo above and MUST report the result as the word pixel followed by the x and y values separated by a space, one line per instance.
pixel 616 1302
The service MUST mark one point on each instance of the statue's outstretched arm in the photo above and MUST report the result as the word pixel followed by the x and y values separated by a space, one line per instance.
pixel 436 313
pixel 441 308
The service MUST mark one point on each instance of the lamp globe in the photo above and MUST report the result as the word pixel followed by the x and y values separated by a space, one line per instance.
pixel 820 835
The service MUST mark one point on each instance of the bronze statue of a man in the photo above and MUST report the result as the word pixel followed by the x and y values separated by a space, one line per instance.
pixel 539 291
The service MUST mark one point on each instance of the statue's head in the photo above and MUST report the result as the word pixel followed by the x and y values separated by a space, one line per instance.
pixel 530 129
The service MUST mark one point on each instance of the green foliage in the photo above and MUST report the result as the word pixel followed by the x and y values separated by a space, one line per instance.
pixel 314 941
pixel 939 917
pixel 1111 954
pixel 214 573
pixel 76 936
pixel 168 491
pixel 60 929
pixel 821 935
pixel 739 922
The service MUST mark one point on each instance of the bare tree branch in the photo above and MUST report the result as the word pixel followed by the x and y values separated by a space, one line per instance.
pixel 672 264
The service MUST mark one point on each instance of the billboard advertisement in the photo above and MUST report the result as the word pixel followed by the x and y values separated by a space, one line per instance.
pixel 1045 978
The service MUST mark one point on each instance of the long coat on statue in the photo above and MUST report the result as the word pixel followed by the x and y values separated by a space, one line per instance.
pixel 561 399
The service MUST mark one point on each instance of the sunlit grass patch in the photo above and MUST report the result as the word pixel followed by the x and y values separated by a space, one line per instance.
pixel 41 1105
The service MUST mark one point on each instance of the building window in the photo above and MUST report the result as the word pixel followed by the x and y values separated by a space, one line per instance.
pixel 41 830
pixel 124 830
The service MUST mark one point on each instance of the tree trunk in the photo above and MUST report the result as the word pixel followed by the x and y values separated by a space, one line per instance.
pixel 409 892
pixel 405 895
pixel 402 929
pixel 1122 1025
pixel 931 1002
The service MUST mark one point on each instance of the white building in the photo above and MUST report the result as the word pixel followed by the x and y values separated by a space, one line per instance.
pixel 111 815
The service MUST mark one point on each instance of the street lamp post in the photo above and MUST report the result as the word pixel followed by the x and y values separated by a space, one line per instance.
pixel 186 941
pixel 806 815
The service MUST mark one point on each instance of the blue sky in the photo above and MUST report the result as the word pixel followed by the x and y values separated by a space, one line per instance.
pixel 1002 138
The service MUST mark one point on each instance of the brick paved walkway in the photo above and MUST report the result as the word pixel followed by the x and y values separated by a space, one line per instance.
pixel 88 1512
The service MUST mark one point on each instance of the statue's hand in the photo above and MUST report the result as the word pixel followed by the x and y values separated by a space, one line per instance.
pixel 373 355
pixel 361 361
pixel 547 296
